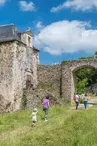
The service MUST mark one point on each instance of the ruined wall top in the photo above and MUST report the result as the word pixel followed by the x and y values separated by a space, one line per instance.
pixel 74 65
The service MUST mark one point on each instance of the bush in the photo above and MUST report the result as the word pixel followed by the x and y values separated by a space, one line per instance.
pixel 81 100
pixel 24 99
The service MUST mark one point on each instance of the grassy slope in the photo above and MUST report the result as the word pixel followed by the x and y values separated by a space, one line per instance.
pixel 65 127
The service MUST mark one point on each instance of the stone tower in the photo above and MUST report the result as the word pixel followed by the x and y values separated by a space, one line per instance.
pixel 18 66
pixel 26 37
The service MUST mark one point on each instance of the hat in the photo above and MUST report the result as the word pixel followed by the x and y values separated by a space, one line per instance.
pixel 35 109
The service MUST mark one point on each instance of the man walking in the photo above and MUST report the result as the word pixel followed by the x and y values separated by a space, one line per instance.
pixel 77 101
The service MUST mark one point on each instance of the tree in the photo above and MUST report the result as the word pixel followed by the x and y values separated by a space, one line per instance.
pixel 96 54
pixel 85 78
pixel 81 86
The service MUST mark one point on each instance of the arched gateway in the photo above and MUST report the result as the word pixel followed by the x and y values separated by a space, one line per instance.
pixel 68 75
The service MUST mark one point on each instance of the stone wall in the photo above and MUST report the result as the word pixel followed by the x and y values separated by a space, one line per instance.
pixel 35 64
pixel 16 65
pixel 49 77
pixel 24 39
pixel 19 76
pixel 6 73
pixel 12 68
pixel 49 83
pixel 25 69
pixel 68 75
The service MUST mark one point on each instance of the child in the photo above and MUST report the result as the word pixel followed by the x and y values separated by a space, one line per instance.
pixel 34 116
pixel 45 105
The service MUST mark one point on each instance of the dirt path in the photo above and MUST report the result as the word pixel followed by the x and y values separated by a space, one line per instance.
pixel 91 102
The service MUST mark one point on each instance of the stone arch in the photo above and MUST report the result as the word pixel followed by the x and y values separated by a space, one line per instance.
pixel 68 75
pixel 74 78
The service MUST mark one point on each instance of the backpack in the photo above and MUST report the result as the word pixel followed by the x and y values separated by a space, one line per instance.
pixel 74 98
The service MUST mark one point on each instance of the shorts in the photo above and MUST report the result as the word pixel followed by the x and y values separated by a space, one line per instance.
pixel 45 109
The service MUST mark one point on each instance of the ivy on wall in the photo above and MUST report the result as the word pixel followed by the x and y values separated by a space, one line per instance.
pixel 24 99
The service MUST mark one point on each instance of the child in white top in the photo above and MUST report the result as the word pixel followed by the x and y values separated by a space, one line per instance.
pixel 34 116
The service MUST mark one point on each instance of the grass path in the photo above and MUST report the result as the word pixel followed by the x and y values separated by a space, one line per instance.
pixel 17 125
pixel 64 128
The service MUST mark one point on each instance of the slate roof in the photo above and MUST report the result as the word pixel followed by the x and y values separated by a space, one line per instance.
pixel 8 33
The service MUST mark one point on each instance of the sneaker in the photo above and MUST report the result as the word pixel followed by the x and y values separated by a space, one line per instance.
pixel 45 120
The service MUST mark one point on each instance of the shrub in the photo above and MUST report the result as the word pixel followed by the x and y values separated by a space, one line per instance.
pixel 24 99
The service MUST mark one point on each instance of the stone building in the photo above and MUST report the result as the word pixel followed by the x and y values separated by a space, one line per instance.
pixel 18 66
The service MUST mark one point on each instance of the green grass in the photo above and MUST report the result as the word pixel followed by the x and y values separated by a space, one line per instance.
pixel 45 86
pixel 65 127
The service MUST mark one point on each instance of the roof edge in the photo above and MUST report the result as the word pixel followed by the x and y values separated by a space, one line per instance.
pixel 12 41
pixel 36 49
pixel 7 25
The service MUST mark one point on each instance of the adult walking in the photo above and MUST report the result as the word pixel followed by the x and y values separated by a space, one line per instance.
pixel 77 101
pixel 85 100
pixel 74 98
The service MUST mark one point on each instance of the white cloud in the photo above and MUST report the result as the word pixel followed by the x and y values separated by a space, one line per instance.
pixel 67 37
pixel 24 6
pixel 83 5
pixel 2 2
pixel 39 25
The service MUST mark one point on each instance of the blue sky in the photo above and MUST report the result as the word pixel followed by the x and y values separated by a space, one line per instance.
pixel 63 29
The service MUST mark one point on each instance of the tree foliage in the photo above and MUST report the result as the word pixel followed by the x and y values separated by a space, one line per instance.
pixel 81 85
pixel 85 77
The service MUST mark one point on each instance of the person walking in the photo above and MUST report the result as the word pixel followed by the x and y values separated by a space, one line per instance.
pixel 45 106
pixel 74 97
pixel 34 116
pixel 77 101
pixel 85 100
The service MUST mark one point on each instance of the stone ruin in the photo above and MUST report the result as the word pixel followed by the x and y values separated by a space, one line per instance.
pixel 19 70
pixel 18 66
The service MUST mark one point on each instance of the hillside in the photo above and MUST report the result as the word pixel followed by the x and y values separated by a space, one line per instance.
pixel 65 127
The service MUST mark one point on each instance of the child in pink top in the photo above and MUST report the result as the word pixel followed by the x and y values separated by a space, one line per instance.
pixel 45 106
